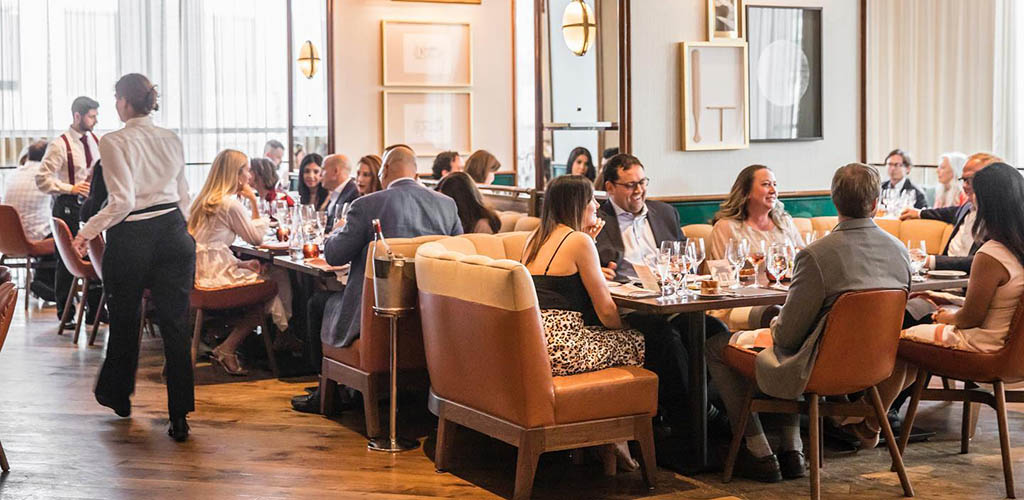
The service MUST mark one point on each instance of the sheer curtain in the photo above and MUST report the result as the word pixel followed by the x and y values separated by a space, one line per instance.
pixel 220 67
pixel 1007 105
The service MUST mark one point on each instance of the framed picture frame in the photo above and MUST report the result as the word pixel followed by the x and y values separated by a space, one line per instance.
pixel 426 54
pixel 785 73
pixel 725 19
pixel 714 95
pixel 429 121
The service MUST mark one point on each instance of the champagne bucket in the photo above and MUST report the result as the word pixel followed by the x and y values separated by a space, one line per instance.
pixel 394 283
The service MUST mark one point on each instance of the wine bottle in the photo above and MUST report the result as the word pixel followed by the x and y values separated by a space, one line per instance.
pixel 378 235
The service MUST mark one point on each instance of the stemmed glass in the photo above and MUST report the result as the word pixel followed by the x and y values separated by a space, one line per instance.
pixel 736 254
pixel 695 253
pixel 660 263
pixel 918 257
pixel 779 257
pixel 677 266
pixel 755 255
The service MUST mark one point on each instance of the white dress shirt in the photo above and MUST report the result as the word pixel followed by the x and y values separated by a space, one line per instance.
pixel 960 245
pixel 143 166
pixel 637 238
pixel 898 187
pixel 52 177
pixel 32 204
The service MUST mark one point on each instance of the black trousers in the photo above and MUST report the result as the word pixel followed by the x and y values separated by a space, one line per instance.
pixel 160 255
pixel 313 351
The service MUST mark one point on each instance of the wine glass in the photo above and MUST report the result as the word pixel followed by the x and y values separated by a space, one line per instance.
pixel 918 258
pixel 280 209
pixel 677 265
pixel 736 254
pixel 695 253
pixel 755 255
pixel 779 257
pixel 659 264
pixel 307 212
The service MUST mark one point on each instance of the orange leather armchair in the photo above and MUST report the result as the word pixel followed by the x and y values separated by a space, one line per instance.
pixel 14 243
pixel 857 350
pixel 233 297
pixel 79 268
pixel 8 299
pixel 999 368
pixel 364 365
pixel 489 365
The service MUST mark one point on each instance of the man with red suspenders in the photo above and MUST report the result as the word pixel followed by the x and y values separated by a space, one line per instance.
pixel 65 173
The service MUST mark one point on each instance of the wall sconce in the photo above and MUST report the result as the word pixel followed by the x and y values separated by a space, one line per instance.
pixel 579 27
pixel 309 59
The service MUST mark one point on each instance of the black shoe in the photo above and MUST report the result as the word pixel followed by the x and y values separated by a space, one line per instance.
pixel 718 422
pixel 311 389
pixel 792 464
pixel 178 429
pixel 307 403
pixel 764 469
pixel 121 408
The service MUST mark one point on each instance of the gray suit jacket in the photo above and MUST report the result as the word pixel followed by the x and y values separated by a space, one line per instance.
pixel 857 255
pixel 405 210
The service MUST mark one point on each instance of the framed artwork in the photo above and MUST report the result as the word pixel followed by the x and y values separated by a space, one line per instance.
pixel 426 54
pixel 429 121
pixel 725 19
pixel 714 91
pixel 785 73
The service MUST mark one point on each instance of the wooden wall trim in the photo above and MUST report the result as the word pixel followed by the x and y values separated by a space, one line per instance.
pixel 330 77
pixel 863 81
pixel 290 147
pixel 721 197
pixel 625 80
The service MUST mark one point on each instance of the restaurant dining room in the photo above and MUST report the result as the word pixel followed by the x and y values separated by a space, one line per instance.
pixel 553 249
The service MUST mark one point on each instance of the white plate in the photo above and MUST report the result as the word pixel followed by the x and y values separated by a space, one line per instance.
pixel 947 275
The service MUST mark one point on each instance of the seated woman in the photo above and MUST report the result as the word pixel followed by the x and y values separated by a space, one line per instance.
pixel 993 292
pixel 264 181
pixel 581 163
pixel 950 191
pixel 310 190
pixel 481 166
pixel 582 324
pixel 475 215
pixel 216 219
pixel 368 175
pixel 752 211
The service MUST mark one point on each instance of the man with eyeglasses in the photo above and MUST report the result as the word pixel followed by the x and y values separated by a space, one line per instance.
pixel 898 164
pixel 635 227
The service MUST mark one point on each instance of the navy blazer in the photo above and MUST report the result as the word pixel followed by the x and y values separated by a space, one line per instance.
pixel 955 216
pixel 348 194
pixel 406 210
pixel 663 219
pixel 919 199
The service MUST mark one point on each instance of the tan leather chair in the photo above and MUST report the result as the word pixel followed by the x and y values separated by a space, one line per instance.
pixel 857 350
pixel 490 370
pixel 508 221
pixel 891 226
pixel 824 223
pixel 14 243
pixel 803 224
pixel 233 297
pixel 698 231
pixel 999 368
pixel 364 365
pixel 935 233
pixel 79 268
pixel 528 223
pixel 8 299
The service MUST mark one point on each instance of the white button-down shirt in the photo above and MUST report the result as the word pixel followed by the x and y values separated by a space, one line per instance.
pixel 960 245
pixel 32 204
pixel 143 166
pixel 898 187
pixel 52 177
pixel 637 239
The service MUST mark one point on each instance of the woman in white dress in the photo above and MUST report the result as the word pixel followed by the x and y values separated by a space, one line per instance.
pixel 217 218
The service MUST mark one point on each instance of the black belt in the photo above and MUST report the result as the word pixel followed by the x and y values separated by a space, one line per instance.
pixel 71 197
pixel 154 208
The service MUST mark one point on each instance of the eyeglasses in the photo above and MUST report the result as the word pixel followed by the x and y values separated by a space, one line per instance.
pixel 633 185
pixel 966 180
pixel 892 164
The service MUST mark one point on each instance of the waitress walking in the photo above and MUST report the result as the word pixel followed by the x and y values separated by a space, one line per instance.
pixel 148 247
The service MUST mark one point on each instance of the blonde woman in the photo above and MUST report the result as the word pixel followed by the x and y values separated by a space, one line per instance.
pixel 216 219
pixel 752 211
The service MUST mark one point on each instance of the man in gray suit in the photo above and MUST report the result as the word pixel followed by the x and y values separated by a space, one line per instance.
pixel 406 209
pixel 857 255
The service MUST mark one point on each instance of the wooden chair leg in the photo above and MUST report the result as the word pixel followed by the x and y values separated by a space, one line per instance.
pixel 4 466
pixel 821 442
pixel 946 384
pixel 445 441
pixel 328 389
pixel 737 435
pixel 1004 438
pixel 197 333
pixel 965 422
pixel 526 464
pixel 269 345
pixel 142 317
pixel 915 400
pixel 67 306
pixel 371 408
pixel 814 419
pixel 890 441
pixel 81 309
pixel 96 322
pixel 28 281
pixel 644 431
pixel 972 427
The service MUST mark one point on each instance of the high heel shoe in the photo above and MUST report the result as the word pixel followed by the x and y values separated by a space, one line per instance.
pixel 229 362
pixel 616 457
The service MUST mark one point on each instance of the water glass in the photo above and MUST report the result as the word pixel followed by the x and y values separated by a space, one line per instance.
pixel 918 258
pixel 695 253
pixel 755 255
pixel 780 255
pixel 736 254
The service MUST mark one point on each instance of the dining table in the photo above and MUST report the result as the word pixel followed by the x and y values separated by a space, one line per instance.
pixel 694 308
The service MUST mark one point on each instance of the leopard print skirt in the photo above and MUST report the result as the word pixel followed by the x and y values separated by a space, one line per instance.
pixel 577 348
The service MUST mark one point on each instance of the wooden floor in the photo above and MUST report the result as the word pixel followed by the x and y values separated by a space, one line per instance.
pixel 246 442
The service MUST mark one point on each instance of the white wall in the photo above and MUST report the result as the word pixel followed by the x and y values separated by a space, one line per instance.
pixel 357 72
pixel 658 26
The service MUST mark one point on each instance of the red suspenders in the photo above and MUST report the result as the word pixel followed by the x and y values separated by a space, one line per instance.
pixel 71 158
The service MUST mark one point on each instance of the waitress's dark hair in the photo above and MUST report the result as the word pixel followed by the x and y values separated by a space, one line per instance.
pixel 139 92
pixel 305 194
pixel 591 172
pixel 565 200
pixel 999 189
